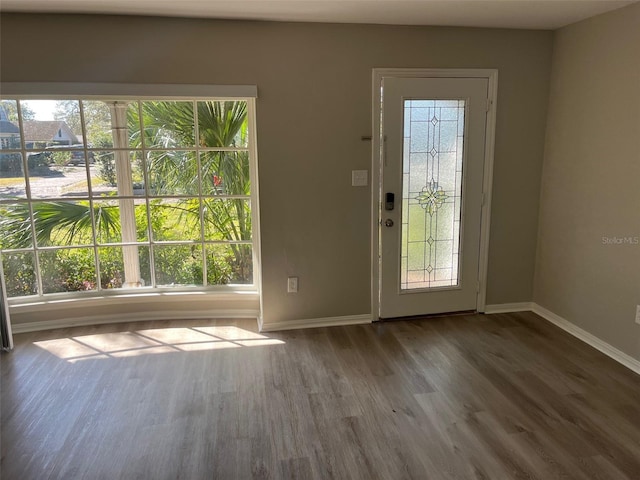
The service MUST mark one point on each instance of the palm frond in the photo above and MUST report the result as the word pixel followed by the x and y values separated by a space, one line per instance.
pixel 221 123
pixel 55 223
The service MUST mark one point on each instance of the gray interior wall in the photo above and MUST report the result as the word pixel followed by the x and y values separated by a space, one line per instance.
pixel 314 104
pixel 590 195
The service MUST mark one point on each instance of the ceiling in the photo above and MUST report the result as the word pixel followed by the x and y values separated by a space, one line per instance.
pixel 536 14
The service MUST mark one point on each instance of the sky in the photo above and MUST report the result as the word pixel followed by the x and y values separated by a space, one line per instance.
pixel 43 108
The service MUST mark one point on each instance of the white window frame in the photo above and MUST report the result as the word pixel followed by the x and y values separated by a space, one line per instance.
pixel 141 92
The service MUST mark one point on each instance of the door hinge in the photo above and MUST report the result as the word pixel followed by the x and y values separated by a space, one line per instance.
pixel 488 106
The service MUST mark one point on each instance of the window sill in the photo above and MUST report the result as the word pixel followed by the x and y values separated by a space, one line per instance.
pixel 47 313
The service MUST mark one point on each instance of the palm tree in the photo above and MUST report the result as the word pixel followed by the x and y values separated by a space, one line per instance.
pixel 221 125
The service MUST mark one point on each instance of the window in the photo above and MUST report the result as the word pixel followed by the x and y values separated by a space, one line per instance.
pixel 140 194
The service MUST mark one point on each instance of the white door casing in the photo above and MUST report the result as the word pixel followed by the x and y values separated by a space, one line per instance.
pixel 411 274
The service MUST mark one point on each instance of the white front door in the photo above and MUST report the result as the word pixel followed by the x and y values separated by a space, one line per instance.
pixel 431 192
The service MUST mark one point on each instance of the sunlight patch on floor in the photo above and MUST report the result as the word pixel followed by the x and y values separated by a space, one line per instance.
pixel 193 347
pixel 153 341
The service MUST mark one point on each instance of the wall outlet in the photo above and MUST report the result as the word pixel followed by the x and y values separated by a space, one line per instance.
pixel 638 314
pixel 292 285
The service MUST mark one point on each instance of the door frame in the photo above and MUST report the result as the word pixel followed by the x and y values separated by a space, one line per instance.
pixel 377 154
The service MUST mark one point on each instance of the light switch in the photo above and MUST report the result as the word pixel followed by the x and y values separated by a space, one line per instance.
pixel 292 285
pixel 359 178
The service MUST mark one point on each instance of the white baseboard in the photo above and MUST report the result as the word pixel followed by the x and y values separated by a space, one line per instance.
pixel 317 322
pixel 609 350
pixel 132 317
pixel 509 307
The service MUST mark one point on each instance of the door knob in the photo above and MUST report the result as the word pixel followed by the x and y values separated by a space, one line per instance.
pixel 388 222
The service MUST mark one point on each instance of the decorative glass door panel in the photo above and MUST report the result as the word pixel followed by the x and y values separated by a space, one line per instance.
pixel 432 170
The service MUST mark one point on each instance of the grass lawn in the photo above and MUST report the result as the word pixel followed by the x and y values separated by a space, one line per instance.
pixel 11 181
pixel 82 185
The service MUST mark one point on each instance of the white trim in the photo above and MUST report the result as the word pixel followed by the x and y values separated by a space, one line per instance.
pixel 133 317
pixel 317 322
pixel 436 72
pixel 255 207
pixel 378 74
pixel 62 313
pixel 487 188
pixel 508 307
pixel 375 192
pixel 609 350
pixel 44 304
pixel 219 291
pixel 40 90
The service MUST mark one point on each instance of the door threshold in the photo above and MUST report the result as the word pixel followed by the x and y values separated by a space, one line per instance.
pixel 429 316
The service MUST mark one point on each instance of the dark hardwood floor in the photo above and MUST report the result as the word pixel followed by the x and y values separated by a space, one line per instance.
pixel 489 397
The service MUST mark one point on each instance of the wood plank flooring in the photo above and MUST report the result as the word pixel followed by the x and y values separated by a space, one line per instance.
pixel 505 396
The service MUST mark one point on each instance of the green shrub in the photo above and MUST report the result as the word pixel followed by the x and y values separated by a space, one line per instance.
pixel 107 168
pixel 19 274
pixel 68 270
pixel 61 158
pixel 38 161
pixel 11 164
